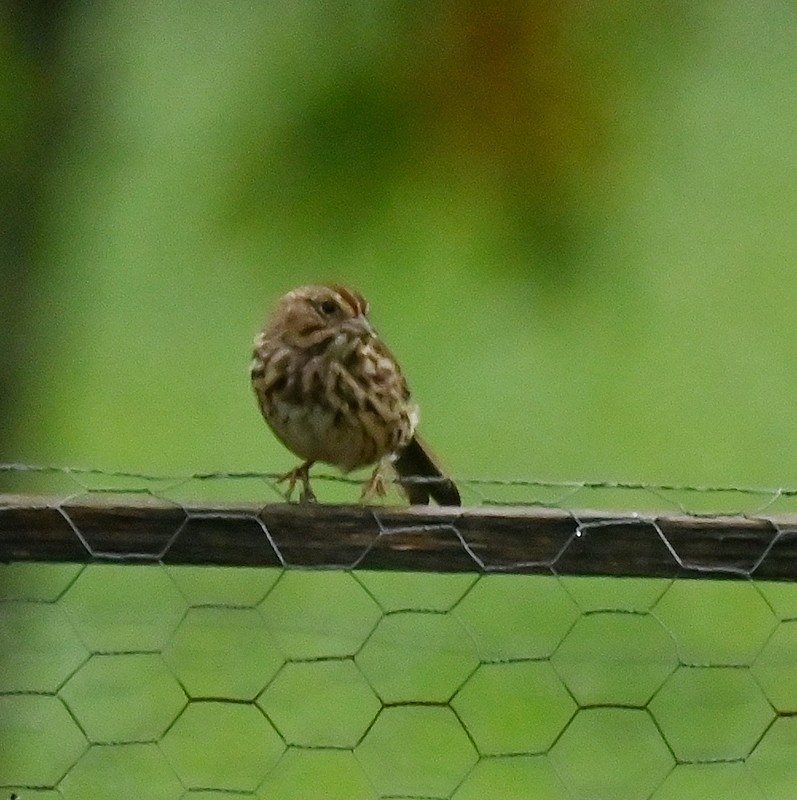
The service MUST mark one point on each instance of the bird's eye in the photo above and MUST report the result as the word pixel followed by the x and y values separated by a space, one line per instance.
pixel 328 307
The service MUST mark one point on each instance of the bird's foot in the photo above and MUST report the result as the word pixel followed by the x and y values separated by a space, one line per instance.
pixel 300 473
pixel 375 486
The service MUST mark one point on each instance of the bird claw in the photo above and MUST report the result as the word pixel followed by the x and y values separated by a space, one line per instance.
pixel 307 495
pixel 300 473
pixel 375 485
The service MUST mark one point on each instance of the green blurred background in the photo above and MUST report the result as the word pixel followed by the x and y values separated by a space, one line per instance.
pixel 575 226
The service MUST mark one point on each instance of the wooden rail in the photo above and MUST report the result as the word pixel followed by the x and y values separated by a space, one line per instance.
pixel 133 529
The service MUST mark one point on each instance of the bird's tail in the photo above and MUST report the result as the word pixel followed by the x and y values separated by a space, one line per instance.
pixel 424 478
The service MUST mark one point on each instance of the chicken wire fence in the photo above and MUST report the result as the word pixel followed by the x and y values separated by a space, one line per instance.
pixel 165 638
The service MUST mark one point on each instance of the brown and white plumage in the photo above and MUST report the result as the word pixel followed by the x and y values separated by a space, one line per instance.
pixel 332 392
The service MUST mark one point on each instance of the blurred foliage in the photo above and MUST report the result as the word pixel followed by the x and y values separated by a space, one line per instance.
pixel 574 225
pixel 29 121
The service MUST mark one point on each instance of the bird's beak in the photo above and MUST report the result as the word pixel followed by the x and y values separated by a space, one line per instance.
pixel 362 325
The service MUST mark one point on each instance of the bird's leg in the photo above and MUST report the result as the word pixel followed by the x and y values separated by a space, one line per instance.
pixel 375 485
pixel 300 473
pixel 307 495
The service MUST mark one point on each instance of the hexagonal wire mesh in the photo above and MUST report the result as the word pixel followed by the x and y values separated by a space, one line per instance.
pixel 145 672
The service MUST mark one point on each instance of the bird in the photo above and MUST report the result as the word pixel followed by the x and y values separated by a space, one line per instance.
pixel 332 392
